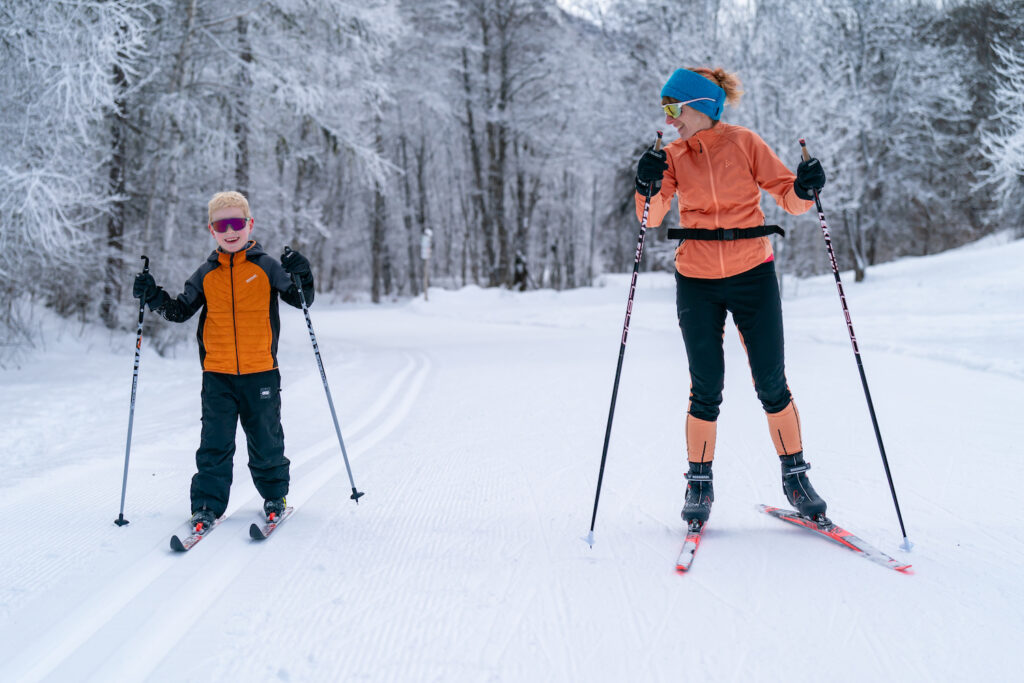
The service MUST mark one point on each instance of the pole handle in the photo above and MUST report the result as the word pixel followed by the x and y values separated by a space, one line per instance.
pixel 803 150
pixel 145 268
pixel 657 143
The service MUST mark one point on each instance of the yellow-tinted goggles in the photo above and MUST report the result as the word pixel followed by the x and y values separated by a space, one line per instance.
pixel 674 109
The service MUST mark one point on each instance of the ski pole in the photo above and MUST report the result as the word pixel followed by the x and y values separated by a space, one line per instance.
pixel 323 375
pixel 906 545
pixel 622 349
pixel 121 521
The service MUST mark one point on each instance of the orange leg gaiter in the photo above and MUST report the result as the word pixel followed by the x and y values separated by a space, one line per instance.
pixel 785 429
pixel 700 439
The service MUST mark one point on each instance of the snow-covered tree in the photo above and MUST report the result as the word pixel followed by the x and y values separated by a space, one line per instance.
pixel 68 69
pixel 1003 142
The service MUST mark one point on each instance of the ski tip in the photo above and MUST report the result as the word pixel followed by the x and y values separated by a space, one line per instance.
pixel 589 539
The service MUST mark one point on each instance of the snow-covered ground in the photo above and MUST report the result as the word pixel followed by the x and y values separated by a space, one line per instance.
pixel 474 423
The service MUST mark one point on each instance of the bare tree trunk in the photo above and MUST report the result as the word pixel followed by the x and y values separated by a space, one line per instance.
pixel 241 112
pixel 412 237
pixel 114 264
pixel 497 137
pixel 380 268
pixel 477 191
pixel 593 233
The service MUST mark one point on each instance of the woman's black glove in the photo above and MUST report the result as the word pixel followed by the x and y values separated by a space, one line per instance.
pixel 649 171
pixel 810 177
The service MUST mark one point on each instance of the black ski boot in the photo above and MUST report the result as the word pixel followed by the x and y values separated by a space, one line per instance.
pixel 700 494
pixel 202 520
pixel 273 507
pixel 798 489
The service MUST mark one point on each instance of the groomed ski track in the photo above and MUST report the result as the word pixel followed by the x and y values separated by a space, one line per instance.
pixel 474 423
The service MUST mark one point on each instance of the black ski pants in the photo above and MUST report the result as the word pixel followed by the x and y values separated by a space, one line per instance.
pixel 753 299
pixel 256 400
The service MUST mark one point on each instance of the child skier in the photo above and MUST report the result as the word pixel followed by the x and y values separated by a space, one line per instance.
pixel 237 289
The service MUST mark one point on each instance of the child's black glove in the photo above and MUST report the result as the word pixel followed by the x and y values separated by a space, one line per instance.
pixel 810 176
pixel 145 287
pixel 295 263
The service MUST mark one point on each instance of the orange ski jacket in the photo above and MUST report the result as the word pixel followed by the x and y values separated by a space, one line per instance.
pixel 718 175
pixel 240 325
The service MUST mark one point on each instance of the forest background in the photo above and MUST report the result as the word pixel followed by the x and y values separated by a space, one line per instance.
pixel 507 128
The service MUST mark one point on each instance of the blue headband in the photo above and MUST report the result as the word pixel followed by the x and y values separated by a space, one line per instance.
pixel 685 85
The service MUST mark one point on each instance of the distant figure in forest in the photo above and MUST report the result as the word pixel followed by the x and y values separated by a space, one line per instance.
pixel 237 288
pixel 520 275
pixel 724 264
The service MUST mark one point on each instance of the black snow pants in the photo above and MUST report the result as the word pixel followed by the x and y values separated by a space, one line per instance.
pixel 754 301
pixel 256 400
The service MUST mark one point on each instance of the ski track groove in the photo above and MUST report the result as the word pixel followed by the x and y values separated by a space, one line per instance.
pixel 340 533
pixel 62 641
pixel 635 629
pixel 564 621
pixel 310 482
pixel 535 604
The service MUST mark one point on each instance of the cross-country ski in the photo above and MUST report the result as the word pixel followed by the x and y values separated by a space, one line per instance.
pixel 694 534
pixel 838 535
pixel 258 531
pixel 187 541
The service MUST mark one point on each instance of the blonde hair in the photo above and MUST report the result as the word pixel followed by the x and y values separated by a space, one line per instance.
pixel 223 200
pixel 729 82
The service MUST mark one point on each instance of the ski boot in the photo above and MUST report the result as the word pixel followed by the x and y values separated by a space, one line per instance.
pixel 700 493
pixel 798 489
pixel 202 520
pixel 273 507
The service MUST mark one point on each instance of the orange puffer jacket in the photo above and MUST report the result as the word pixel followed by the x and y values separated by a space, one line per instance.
pixel 718 175
pixel 239 325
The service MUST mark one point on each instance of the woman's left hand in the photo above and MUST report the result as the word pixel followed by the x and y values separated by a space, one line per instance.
pixel 810 178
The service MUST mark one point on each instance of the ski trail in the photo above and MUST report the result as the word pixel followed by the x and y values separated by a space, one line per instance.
pixel 46 653
pixel 139 654
pixel 378 407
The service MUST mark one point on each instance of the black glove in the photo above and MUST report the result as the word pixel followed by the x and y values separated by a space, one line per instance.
pixel 296 264
pixel 145 287
pixel 810 176
pixel 649 171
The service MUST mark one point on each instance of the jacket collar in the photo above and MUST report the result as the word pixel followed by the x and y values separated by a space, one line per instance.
pixel 251 251
pixel 705 138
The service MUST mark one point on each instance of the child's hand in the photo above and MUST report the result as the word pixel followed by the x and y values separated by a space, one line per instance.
pixel 145 287
pixel 295 263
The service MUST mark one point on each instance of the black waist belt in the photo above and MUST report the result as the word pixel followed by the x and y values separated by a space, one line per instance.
pixel 724 234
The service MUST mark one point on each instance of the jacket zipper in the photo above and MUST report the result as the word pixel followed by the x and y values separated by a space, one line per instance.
pixel 234 323
pixel 714 199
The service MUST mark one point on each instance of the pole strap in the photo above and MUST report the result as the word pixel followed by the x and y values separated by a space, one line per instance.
pixel 724 234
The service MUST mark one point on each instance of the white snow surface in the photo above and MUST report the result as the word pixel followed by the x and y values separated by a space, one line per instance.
pixel 474 423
